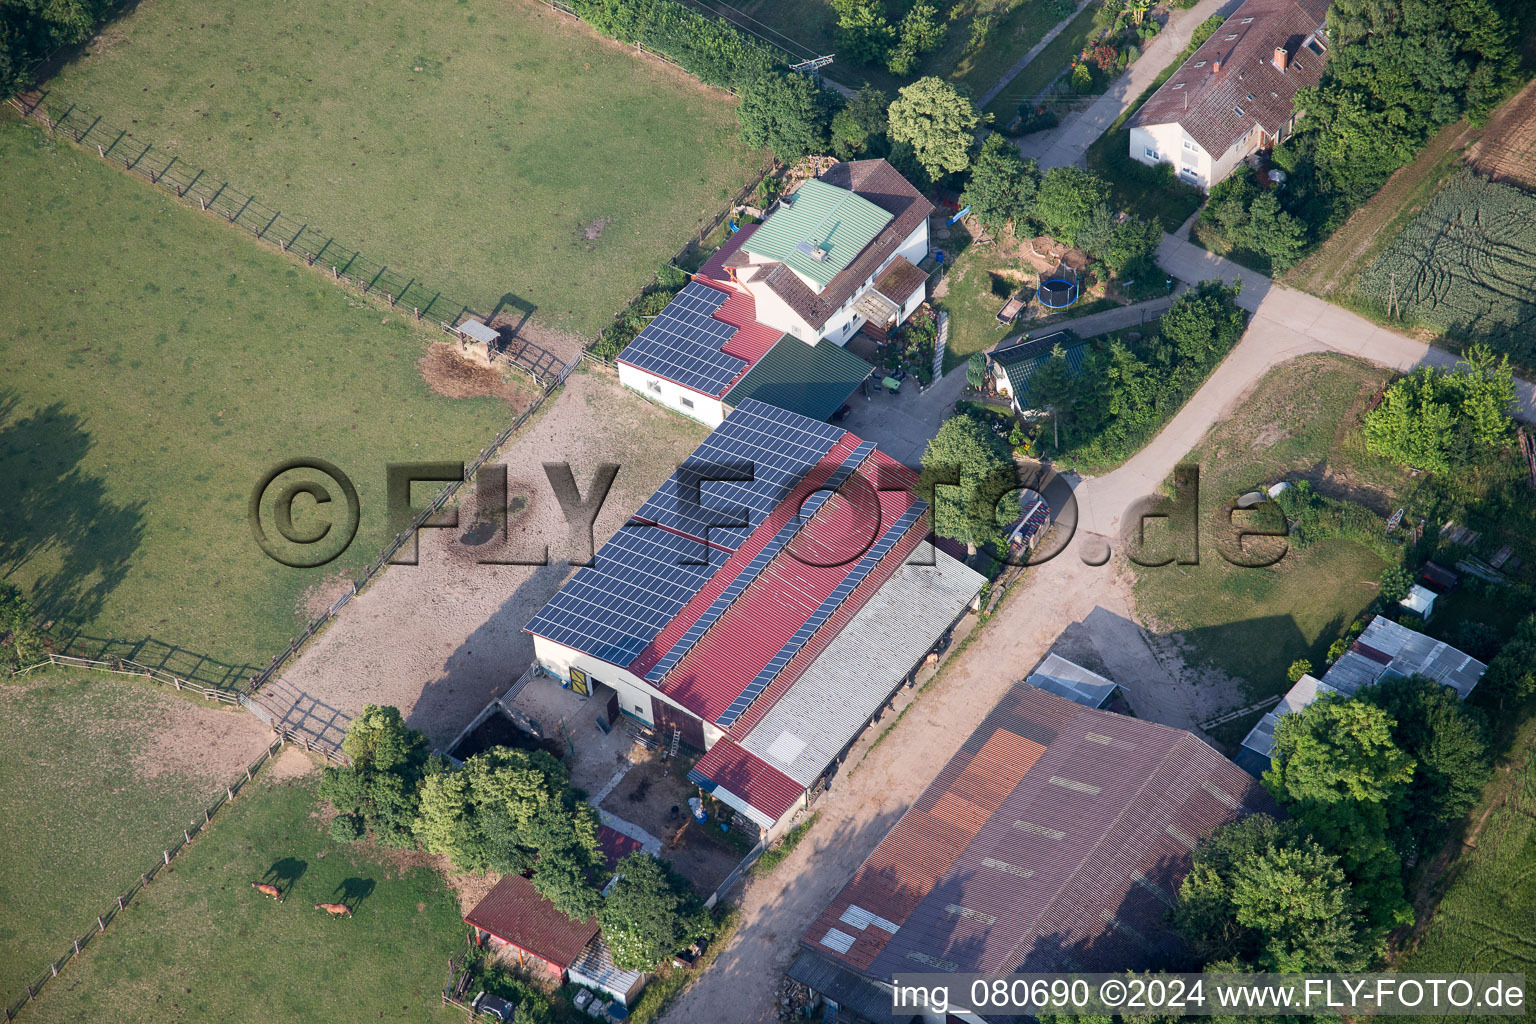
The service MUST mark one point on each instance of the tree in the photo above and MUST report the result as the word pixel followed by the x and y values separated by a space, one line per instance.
pixel 1446 739
pixel 786 112
pixel 1125 245
pixel 650 913
pixel 1274 232
pixel 976 370
pixel 1300 667
pixel 1262 893
pixel 1395 584
pixel 1204 324
pixel 861 123
pixel 1436 420
pixel 938 122
pixel 21 642
pixel 1053 386
pixel 1511 675
pixel 921 32
pixel 864 36
pixel 380 785
pixel 1066 200
pixel 967 451
pixel 1002 185
pixel 1337 770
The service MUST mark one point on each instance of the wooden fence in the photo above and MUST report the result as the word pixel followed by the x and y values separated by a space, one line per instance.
pixel 124 667
pixel 376 281
pixel 120 904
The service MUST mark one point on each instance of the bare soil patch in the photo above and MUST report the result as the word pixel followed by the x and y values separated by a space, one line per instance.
pixel 453 376
pixel 654 795
pixel 290 763
pixel 208 745
pixel 1507 150
pixel 324 594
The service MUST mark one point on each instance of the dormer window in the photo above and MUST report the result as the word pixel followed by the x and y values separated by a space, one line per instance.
pixel 1178 85
pixel 1199 63
pixel 1231 37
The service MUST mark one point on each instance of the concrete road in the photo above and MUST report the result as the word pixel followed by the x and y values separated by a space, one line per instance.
pixel 1067 142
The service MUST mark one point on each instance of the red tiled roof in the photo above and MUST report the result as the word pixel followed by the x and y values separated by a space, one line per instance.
pixel 1205 101
pixel 713 269
pixel 761 622
pixel 615 845
pixel 1053 840
pixel 899 280
pixel 514 911
pixel 755 781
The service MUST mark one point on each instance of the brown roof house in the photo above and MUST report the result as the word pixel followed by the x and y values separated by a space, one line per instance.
pixel 516 915
pixel 1054 840
pixel 839 253
pixel 1236 94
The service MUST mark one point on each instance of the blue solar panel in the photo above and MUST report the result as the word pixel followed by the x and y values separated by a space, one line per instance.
pixel 754 568
pixel 777 447
pixel 635 585
pixel 683 343
pixel 844 590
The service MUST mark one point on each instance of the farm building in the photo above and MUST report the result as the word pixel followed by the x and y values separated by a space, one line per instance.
pixel 1235 95
pixel 516 916
pixel 1419 601
pixel 594 969
pixel 1070 681
pixel 773 656
pixel 1054 840
pixel 1015 361
pixel 1384 649
pixel 766 317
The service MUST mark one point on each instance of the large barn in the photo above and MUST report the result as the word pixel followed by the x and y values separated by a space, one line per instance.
pixel 763 620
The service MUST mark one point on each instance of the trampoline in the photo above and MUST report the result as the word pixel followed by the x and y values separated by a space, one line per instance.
pixel 1059 290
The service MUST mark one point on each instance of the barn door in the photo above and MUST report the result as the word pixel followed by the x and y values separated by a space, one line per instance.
pixel 669 718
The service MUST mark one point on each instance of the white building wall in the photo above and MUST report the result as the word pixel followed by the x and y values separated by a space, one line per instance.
pixel 1171 144
pixel 636 696
pixel 704 408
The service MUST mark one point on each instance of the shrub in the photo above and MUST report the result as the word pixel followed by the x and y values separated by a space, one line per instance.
pixel 346 828
pixel 1395 583
pixel 1300 667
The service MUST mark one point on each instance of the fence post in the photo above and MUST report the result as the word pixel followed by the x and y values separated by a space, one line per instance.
pixel 119 903
pixel 201 205
pixel 229 792
pixel 167 856
pixel 77 947
pixel 334 275
pixel 188 835
pixel 100 924
pixel 55 967
pixel 417 311
pixel 103 154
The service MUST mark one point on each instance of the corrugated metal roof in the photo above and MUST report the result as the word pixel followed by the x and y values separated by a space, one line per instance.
pixel 514 911
pixel 763 792
pixel 813 380
pixel 1053 840
pixel 714 268
pixel 818 216
pixel 1261 738
pixel 869 999
pixel 1071 681
pixel 1020 361
pixel 1386 646
pixel 595 968
pixel 616 845
pixel 827 706
pixel 479 332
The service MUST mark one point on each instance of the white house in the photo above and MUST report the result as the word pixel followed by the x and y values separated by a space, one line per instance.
pixel 1236 94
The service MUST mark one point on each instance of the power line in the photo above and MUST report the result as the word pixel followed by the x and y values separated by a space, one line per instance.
pixel 706 8
pixel 770 28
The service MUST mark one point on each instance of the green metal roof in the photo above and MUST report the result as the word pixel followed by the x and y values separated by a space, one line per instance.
pixel 1020 361
pixel 823 216
pixel 813 380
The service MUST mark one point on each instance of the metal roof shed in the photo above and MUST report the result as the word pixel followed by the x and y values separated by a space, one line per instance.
pixel 474 330
pixel 1071 681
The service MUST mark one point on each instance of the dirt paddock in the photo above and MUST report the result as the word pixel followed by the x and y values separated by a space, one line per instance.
pixel 454 375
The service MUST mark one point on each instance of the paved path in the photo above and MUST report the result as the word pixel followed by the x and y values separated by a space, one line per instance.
pixel 1067 142
pixel 1034 51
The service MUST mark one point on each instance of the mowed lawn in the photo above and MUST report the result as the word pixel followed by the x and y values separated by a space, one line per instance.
pixel 157 364
pixel 1252 623
pixel 102 773
pixel 199 944
pixel 488 147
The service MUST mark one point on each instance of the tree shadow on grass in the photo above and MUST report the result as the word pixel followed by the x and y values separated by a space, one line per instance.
pixel 62 530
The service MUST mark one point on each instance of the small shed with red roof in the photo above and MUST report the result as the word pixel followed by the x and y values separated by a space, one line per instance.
pixel 516 916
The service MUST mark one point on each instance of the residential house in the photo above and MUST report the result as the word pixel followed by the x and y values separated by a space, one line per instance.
pixel 766 317
pixel 1384 649
pixel 1054 840
pixel 1236 94
pixel 762 621
pixel 1015 361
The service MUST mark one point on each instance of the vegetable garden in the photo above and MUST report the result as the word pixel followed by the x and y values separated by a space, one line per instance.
pixel 1464 267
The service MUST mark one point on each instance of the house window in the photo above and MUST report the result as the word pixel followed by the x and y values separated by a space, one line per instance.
pixel 685 402
pixel 1231 37
pixel 654 385
pixel 1199 63
pixel 1151 153
pixel 847 326
pixel 1190 146
pixel 1178 85
pixel 1247 21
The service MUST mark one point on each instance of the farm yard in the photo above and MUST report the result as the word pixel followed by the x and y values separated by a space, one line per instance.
pixel 199 944
pixel 1463 267
pixel 102 773
pixel 157 364
pixel 508 156
pixel 1252 623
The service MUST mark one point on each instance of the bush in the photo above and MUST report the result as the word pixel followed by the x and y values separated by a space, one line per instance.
pixel 1300 667
pixel 346 828
pixel 1395 583
pixel 709 48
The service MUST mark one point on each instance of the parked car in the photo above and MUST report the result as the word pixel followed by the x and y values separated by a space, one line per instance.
pixel 494 1007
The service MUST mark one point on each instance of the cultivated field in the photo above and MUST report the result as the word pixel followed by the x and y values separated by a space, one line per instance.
pixel 1464 267
pixel 498 150
pixel 1507 150
pixel 1252 623
pixel 101 773
pixel 198 944
pixel 157 365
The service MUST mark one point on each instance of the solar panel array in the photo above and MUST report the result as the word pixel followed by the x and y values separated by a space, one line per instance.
pixel 778 446
pixel 640 580
pixel 834 600
pixel 754 568
pixel 683 342
pixel 635 585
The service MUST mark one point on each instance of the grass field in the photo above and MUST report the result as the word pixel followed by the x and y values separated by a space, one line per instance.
pixel 157 364
pixel 1486 916
pixel 102 773
pixel 489 148
pixel 198 944
pixel 1252 623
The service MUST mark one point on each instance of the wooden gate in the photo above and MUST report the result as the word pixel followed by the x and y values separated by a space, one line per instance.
pixel 669 718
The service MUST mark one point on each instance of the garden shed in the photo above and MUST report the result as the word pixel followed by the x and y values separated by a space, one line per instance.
pixel 516 916
pixel 1015 361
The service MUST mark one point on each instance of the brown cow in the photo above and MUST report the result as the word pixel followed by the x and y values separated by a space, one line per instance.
pixel 335 909
pixel 268 890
